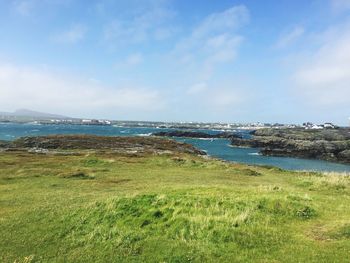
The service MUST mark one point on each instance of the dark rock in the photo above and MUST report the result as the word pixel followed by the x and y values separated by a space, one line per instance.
pixel 116 144
pixel 345 155
pixel 4 144
pixel 332 145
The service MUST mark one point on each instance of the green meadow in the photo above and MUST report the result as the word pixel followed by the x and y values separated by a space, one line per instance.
pixel 105 207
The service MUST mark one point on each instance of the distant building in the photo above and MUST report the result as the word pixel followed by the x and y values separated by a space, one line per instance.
pixel 311 126
pixel 95 122
pixel 329 125
pixel 316 127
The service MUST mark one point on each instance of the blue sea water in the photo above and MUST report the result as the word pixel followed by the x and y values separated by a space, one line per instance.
pixel 219 148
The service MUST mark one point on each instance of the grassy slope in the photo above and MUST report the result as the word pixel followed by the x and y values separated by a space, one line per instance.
pixel 108 208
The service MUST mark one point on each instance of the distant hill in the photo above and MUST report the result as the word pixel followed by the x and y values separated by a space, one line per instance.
pixel 32 114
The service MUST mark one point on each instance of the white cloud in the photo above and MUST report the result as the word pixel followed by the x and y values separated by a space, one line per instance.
pixel 324 76
pixel 210 46
pixel 129 61
pixel 290 37
pixel 162 33
pixel 223 98
pixel 221 49
pixel 212 42
pixel 340 5
pixel 214 25
pixel 197 88
pixel 42 90
pixel 71 36
pixel 24 7
pixel 218 98
pixel 134 59
pixel 230 19
pixel 150 24
pixel 34 7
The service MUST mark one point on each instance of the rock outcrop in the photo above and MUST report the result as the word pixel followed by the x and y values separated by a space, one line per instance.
pixel 331 145
pixel 115 144
pixel 3 144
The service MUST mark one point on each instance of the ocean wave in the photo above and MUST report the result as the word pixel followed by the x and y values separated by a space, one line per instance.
pixel 253 153
pixel 144 134
pixel 33 123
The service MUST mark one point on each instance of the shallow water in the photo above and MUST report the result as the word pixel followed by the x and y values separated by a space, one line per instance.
pixel 219 148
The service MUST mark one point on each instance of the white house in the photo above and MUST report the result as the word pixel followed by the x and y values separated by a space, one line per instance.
pixel 329 125
pixel 316 127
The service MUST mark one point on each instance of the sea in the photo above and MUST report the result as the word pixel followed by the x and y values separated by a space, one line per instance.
pixel 219 148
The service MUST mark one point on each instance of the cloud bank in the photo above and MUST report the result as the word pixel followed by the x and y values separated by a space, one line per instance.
pixel 71 36
pixel 45 91
pixel 323 77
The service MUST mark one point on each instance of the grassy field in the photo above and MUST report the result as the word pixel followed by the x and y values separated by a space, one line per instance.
pixel 112 208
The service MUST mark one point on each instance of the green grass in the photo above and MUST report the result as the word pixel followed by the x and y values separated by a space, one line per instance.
pixel 111 208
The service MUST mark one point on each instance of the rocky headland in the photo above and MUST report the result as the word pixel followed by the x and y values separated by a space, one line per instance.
pixel 326 144
pixel 129 145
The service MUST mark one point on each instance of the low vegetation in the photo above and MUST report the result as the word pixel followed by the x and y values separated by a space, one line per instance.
pixel 110 207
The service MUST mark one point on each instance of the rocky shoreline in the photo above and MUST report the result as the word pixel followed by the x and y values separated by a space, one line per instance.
pixel 3 144
pixel 327 144
pixel 196 134
pixel 128 145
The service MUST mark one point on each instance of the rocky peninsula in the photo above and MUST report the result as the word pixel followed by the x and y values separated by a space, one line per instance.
pixel 325 144
pixel 128 145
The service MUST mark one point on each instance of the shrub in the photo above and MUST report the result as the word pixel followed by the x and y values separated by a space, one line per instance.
pixel 78 175
pixel 250 172
pixel 306 212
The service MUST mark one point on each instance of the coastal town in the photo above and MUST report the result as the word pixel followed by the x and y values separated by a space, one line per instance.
pixel 51 119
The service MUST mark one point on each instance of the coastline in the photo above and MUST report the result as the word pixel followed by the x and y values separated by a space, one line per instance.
pixel 329 145
pixel 144 206
pixel 216 147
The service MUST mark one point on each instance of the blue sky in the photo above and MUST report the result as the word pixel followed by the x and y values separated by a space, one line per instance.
pixel 229 61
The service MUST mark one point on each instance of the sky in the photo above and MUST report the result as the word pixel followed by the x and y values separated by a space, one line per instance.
pixel 178 60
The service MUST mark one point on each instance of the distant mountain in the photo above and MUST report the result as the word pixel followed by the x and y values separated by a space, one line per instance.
pixel 32 114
